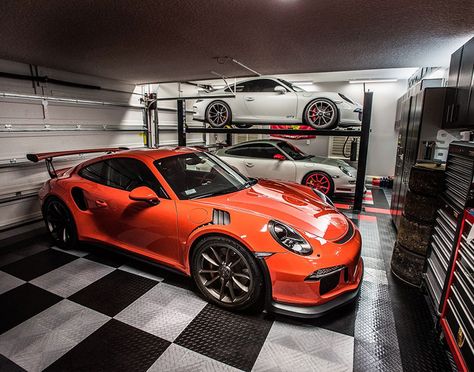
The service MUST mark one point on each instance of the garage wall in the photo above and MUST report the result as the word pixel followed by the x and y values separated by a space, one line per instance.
pixel 32 119
pixel 383 137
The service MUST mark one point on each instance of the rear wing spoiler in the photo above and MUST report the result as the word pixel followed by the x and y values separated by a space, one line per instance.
pixel 48 156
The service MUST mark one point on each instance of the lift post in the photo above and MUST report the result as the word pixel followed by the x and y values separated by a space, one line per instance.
pixel 363 150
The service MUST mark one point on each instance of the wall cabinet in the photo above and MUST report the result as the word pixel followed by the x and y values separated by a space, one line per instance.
pixel 459 110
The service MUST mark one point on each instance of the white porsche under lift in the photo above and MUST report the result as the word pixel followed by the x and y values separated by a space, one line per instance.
pixel 363 133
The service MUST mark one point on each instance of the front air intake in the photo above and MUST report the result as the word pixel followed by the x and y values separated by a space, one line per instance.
pixel 220 217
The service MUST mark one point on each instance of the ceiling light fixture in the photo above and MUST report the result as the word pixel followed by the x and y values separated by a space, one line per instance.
pixel 372 81
pixel 301 82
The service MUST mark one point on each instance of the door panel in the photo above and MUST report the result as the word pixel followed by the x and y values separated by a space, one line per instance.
pixel 272 107
pixel 284 170
pixel 137 226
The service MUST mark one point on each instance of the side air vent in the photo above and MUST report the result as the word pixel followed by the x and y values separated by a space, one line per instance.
pixel 78 196
pixel 220 217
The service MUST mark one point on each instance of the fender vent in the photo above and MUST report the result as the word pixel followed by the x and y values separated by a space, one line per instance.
pixel 220 217
pixel 78 196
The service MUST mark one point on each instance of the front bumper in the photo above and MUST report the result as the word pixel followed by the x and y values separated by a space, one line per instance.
pixel 290 290
pixel 318 310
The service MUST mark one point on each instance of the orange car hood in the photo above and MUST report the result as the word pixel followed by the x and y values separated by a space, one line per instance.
pixel 286 203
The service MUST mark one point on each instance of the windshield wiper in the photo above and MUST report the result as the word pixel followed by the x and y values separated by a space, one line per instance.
pixel 220 192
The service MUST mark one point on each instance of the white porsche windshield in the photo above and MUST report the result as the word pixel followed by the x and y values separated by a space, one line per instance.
pixel 199 175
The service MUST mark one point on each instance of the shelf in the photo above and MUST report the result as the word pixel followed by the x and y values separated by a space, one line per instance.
pixel 313 132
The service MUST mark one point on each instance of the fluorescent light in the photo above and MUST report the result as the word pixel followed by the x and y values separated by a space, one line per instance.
pixel 301 82
pixel 372 81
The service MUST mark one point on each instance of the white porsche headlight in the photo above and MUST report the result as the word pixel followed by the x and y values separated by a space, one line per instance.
pixel 289 238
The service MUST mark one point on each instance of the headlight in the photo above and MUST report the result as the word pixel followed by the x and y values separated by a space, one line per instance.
pixel 323 197
pixel 289 238
pixel 345 171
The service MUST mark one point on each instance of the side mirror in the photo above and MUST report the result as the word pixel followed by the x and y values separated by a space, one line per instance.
pixel 144 194
pixel 279 157
pixel 280 89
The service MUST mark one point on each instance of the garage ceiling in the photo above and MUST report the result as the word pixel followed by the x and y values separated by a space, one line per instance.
pixel 156 41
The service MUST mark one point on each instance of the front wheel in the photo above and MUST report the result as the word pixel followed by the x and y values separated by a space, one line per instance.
pixel 218 114
pixel 320 181
pixel 226 273
pixel 321 114
pixel 60 224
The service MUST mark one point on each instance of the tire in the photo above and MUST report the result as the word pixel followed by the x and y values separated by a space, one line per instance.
pixel 60 223
pixel 427 179
pixel 243 126
pixel 218 114
pixel 320 181
pixel 235 286
pixel 321 113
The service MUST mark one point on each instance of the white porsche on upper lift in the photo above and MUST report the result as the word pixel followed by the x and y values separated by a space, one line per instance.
pixel 269 100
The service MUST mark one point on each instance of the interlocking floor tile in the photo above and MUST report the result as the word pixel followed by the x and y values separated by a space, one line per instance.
pixel 298 348
pixel 70 278
pixel 113 347
pixel 76 252
pixel 23 302
pixel 42 339
pixel 231 338
pixel 114 292
pixel 163 311
pixel 8 282
pixel 180 359
pixel 38 264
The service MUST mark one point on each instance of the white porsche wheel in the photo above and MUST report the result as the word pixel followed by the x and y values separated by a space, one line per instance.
pixel 218 114
pixel 321 114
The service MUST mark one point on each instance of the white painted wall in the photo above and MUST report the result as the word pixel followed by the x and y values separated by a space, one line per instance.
pixel 40 125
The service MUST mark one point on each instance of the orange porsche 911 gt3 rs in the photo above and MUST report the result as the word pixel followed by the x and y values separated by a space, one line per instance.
pixel 241 240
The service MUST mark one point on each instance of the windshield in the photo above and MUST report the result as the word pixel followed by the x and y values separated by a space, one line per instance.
pixel 199 175
pixel 294 152
pixel 290 85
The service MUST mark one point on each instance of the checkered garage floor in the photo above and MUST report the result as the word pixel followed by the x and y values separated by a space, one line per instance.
pixel 91 310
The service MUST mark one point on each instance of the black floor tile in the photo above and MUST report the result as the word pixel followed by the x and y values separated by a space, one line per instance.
pixel 107 257
pixel 114 292
pixel 419 347
pixel 231 338
pixel 6 365
pixel 38 264
pixel 379 198
pixel 113 347
pixel 23 302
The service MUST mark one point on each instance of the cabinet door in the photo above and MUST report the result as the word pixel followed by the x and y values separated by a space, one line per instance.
pixel 464 85
pixel 451 92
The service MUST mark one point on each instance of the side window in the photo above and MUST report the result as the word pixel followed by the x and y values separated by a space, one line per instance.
pixel 94 172
pixel 124 174
pixel 255 150
pixel 268 151
pixel 238 151
pixel 267 85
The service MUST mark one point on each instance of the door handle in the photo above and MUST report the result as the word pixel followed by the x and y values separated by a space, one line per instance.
pixel 100 203
pixel 249 99
pixel 250 165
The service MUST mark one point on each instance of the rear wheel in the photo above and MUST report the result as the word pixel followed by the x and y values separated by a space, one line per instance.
pixel 320 181
pixel 321 114
pixel 218 114
pixel 226 273
pixel 60 223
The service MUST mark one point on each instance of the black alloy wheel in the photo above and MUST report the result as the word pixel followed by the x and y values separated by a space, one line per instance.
pixel 226 273
pixel 60 224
